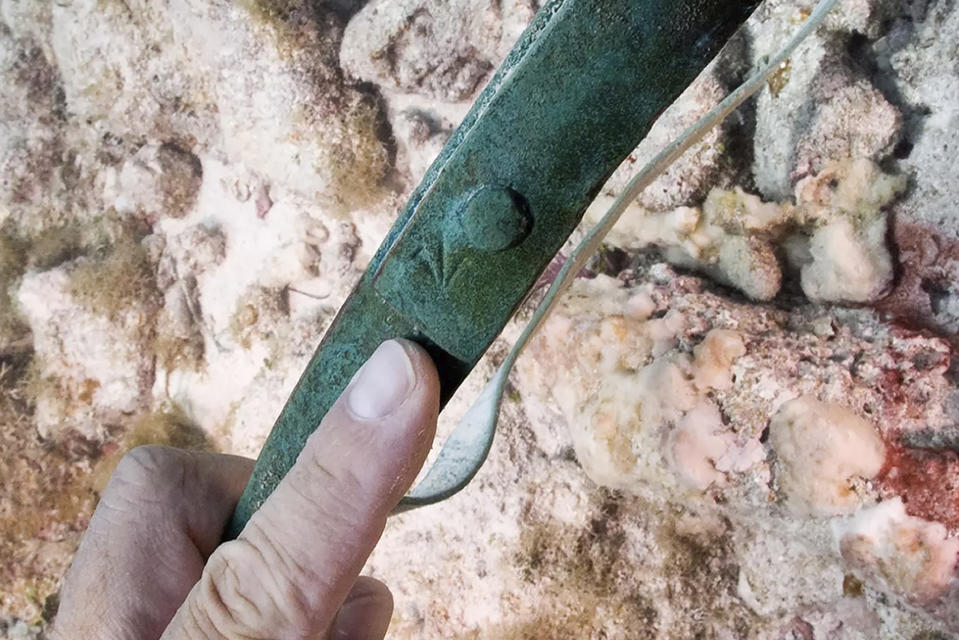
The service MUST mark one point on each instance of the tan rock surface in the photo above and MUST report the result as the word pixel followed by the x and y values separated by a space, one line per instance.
pixel 235 165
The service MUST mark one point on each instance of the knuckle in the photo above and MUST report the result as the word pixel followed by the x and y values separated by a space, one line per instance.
pixel 245 590
pixel 293 582
pixel 148 475
pixel 149 463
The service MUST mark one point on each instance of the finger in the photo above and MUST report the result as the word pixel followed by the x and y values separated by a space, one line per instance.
pixel 366 613
pixel 159 518
pixel 292 566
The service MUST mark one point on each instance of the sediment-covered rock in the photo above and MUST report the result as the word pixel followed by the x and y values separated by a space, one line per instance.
pixel 743 427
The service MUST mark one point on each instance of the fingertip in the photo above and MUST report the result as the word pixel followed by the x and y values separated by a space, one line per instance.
pixel 398 373
pixel 388 410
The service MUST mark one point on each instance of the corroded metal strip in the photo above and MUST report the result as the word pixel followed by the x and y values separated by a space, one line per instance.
pixel 578 92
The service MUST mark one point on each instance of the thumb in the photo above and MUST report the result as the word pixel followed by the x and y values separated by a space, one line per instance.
pixel 298 557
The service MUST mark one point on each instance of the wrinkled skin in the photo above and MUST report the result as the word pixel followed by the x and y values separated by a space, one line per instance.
pixel 151 564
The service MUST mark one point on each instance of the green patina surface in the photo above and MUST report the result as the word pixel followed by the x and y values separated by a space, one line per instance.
pixel 580 89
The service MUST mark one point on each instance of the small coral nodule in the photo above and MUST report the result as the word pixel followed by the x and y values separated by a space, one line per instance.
pixel 823 449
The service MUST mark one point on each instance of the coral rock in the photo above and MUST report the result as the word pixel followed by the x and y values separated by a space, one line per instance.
pixel 91 368
pixel 160 180
pixel 651 422
pixel 835 235
pixel 903 555
pixel 440 49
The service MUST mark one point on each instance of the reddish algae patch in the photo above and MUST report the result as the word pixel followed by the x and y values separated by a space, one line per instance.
pixel 927 481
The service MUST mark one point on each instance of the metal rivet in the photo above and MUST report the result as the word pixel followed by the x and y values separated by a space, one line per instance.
pixel 496 218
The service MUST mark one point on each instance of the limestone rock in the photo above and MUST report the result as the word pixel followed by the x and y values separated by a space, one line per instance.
pixel 443 50
pixel 31 116
pixel 852 120
pixel 640 422
pixel 91 369
pixel 159 180
pixel 823 110
pixel 653 421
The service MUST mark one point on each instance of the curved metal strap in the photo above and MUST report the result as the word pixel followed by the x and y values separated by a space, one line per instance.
pixel 464 451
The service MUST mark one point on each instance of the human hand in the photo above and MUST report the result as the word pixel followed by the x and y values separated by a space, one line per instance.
pixel 149 565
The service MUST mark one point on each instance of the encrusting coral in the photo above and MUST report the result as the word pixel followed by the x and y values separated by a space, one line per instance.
pixel 645 415
pixel 823 450
pixel 834 235
pixel 672 393
pixel 909 557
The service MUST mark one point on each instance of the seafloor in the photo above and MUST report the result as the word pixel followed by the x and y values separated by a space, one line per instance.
pixel 741 423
